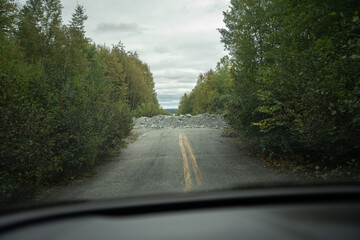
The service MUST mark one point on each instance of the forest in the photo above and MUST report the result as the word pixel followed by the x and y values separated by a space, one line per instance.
pixel 291 85
pixel 64 100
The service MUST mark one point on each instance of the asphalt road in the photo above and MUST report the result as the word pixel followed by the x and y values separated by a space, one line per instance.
pixel 167 161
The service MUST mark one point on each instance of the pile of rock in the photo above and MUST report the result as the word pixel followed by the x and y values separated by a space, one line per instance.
pixel 182 121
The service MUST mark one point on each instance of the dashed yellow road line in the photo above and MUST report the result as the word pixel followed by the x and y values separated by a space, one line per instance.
pixel 186 165
pixel 193 160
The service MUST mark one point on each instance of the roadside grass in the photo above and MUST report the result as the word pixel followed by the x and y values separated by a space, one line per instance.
pixel 304 168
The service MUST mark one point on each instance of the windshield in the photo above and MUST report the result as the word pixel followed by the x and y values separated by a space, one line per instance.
pixel 112 99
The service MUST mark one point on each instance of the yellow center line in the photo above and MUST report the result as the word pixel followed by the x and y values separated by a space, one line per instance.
pixel 193 160
pixel 186 165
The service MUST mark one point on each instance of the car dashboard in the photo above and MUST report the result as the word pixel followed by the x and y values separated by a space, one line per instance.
pixel 279 213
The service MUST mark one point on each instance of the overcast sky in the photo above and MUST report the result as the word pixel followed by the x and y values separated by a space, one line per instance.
pixel 178 39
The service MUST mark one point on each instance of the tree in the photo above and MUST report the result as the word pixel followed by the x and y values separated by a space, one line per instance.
pixel 292 71
pixel 211 93
pixel 78 19
pixel 8 15
pixel 39 26
pixel 63 101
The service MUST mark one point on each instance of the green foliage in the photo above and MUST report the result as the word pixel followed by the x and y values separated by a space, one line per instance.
pixel 295 66
pixel 211 93
pixel 63 101
pixel 140 84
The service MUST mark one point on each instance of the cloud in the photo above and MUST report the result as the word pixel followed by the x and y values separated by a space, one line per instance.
pixel 160 49
pixel 216 6
pixel 169 101
pixel 173 88
pixel 121 27
pixel 175 74
pixel 197 53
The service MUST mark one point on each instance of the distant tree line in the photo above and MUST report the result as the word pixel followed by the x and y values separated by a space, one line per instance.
pixel 295 78
pixel 170 111
pixel 64 101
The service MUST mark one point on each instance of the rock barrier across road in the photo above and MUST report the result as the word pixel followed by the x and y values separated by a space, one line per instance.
pixel 182 121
